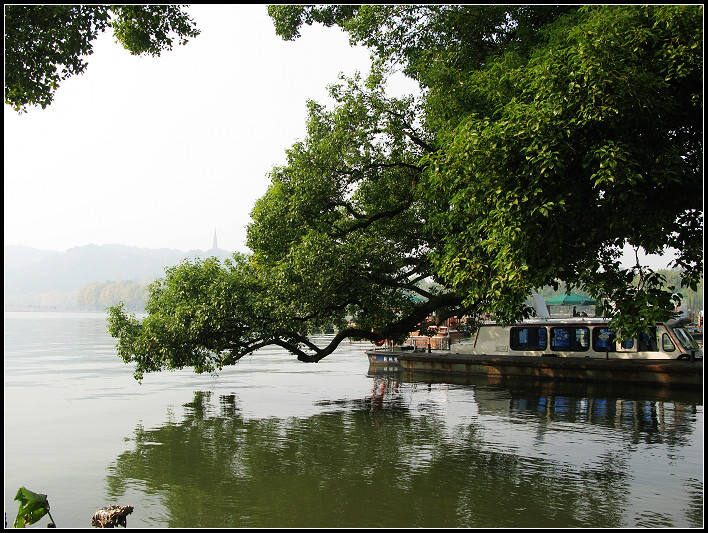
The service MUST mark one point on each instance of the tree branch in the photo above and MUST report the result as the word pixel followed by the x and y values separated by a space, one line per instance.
pixel 396 329
pixel 365 222
pixel 372 166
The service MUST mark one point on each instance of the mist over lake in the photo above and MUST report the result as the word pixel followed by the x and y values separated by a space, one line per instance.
pixel 48 280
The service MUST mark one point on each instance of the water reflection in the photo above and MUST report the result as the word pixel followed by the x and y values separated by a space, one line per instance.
pixel 419 452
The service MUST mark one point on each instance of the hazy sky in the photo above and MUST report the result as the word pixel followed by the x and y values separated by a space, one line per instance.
pixel 160 152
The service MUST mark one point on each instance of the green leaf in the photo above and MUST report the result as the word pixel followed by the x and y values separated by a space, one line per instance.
pixel 33 507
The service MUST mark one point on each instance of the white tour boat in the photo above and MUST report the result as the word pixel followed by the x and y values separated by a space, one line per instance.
pixel 579 337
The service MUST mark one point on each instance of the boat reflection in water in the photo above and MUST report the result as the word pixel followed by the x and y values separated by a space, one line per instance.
pixel 427 451
pixel 610 404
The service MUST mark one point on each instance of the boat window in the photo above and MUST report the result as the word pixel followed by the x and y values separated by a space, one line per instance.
pixel 560 338
pixel 685 339
pixel 628 344
pixel 582 338
pixel 647 341
pixel 528 338
pixel 603 340
pixel 575 339
pixel 666 343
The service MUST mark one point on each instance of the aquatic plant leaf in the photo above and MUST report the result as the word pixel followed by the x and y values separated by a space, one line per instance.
pixel 33 506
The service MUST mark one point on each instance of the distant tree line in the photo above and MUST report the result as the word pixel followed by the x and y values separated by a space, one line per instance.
pixel 691 300
pixel 103 294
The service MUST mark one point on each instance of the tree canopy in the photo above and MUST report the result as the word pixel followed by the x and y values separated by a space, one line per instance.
pixel 46 44
pixel 546 139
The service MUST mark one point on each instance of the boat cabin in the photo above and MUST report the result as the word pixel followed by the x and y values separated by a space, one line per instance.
pixel 579 337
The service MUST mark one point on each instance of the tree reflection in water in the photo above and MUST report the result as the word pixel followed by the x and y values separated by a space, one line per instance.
pixel 377 462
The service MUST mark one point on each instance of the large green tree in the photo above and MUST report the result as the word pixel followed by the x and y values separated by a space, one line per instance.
pixel 46 44
pixel 545 140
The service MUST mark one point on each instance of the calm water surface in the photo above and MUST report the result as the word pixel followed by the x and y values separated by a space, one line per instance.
pixel 273 442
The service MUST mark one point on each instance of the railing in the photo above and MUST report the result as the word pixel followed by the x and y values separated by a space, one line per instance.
pixel 418 342
pixel 421 342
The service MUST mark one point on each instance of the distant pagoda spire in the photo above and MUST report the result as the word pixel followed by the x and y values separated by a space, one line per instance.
pixel 213 244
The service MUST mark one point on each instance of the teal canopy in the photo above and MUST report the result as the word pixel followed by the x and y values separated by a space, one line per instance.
pixel 570 299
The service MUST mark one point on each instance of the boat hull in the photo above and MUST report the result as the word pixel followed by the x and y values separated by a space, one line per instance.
pixel 381 358
pixel 655 372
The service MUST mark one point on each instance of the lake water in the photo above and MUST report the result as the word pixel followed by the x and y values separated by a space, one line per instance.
pixel 272 442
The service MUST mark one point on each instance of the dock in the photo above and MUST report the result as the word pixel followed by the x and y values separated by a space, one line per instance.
pixel 673 373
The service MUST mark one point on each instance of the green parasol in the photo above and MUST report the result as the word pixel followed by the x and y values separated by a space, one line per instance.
pixel 570 299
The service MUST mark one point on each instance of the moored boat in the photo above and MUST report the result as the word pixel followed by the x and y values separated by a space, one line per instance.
pixel 580 337
pixel 569 348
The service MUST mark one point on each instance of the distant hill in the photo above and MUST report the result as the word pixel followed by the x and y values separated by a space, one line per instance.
pixel 42 278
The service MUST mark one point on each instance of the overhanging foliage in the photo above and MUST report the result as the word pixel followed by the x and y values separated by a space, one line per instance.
pixel 46 44
pixel 547 138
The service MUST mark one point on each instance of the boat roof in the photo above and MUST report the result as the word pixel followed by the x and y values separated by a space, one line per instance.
pixel 537 321
pixel 553 321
